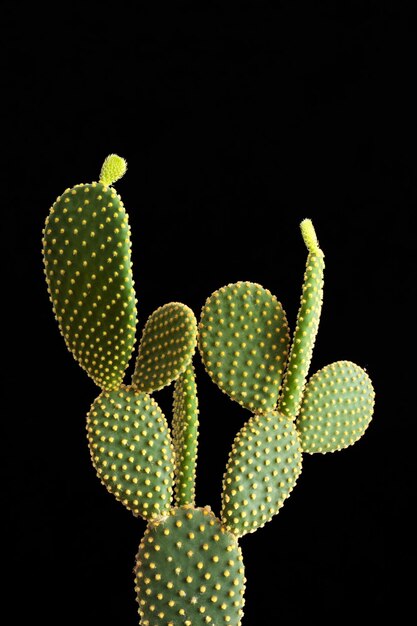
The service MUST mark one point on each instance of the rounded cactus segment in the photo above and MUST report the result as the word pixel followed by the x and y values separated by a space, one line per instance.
pixel 310 237
pixel 166 348
pixel 131 450
pixel 306 327
pixel 189 572
pixel 261 472
pixel 243 341
pixel 114 167
pixel 185 436
pixel 337 408
pixel 86 249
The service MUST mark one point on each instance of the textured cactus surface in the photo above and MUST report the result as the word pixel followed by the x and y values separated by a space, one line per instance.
pixel 306 328
pixel 185 436
pixel 131 450
pixel 337 408
pixel 167 346
pixel 189 571
pixel 189 568
pixel 263 467
pixel 114 167
pixel 86 249
pixel 243 341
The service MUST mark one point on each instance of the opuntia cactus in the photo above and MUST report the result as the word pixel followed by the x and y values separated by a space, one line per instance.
pixel 189 567
pixel 86 247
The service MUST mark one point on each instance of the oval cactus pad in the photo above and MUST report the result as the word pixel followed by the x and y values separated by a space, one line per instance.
pixel 243 341
pixel 131 450
pixel 337 407
pixel 185 436
pixel 167 346
pixel 189 572
pixel 86 249
pixel 263 467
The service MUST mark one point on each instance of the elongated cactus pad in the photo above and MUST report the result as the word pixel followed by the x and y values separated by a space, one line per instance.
pixel 185 436
pixel 86 249
pixel 263 467
pixel 189 572
pixel 243 341
pixel 337 408
pixel 167 346
pixel 131 450
pixel 306 328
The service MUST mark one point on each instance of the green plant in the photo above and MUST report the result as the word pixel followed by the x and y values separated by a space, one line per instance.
pixel 189 568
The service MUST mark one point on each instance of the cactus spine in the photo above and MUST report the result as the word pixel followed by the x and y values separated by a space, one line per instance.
pixel 189 568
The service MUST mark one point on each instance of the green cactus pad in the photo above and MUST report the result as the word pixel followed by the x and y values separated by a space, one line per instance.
pixel 189 572
pixel 337 408
pixel 185 436
pixel 86 250
pixel 261 472
pixel 306 328
pixel 131 450
pixel 166 348
pixel 243 341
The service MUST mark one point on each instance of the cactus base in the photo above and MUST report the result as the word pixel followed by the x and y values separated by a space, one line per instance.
pixel 189 571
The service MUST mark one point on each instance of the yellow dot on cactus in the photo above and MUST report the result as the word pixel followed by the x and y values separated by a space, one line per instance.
pixel 114 167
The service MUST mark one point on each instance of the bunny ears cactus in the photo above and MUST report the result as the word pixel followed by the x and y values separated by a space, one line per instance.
pixel 189 568
pixel 88 268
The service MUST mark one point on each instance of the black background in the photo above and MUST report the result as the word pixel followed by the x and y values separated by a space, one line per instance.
pixel 236 125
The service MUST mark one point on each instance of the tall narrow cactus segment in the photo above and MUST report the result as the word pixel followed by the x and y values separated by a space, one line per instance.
pixel 189 572
pixel 185 436
pixel 167 346
pixel 86 248
pixel 337 408
pixel 243 341
pixel 263 467
pixel 306 328
pixel 131 450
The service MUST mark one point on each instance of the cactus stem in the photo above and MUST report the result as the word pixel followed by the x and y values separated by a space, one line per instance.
pixel 185 436
pixel 307 325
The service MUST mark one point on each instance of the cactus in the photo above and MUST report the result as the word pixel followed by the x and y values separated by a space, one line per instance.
pixel 337 408
pixel 166 348
pixel 189 571
pixel 263 467
pixel 243 341
pixel 131 450
pixel 86 249
pixel 307 325
pixel 189 568
pixel 185 436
